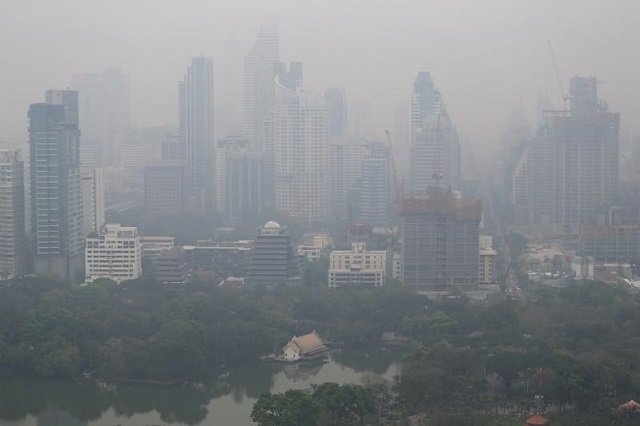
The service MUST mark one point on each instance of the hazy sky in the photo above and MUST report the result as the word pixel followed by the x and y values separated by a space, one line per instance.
pixel 486 56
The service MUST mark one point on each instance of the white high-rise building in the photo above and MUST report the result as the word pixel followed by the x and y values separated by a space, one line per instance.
pixel 93 200
pixel 260 68
pixel 299 131
pixel 114 253
pixel 196 129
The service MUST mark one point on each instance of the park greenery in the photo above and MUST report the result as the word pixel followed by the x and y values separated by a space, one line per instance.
pixel 573 351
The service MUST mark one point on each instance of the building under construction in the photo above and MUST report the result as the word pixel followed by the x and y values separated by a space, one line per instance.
pixel 440 247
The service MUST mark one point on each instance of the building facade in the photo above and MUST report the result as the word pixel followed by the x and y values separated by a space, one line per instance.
pixel 435 148
pixel 196 130
pixel 357 267
pixel 260 68
pixel 93 199
pixel 440 240
pixel 165 187
pixel 13 244
pixel 299 133
pixel 273 260
pixel 375 188
pixel 337 107
pixel 115 253
pixel 56 187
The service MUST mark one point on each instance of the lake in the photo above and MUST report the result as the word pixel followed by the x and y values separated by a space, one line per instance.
pixel 228 402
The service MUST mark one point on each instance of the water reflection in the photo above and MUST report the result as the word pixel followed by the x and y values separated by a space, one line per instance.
pixel 37 403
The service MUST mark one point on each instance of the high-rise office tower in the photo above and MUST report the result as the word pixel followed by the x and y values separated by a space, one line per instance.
pixel 299 134
pixel 56 187
pixel 104 115
pixel 586 156
pixel 260 68
pixel 440 240
pixel 13 251
pixel 165 188
pixel 375 199
pixel 337 105
pixel 344 174
pixel 239 178
pixel 225 149
pixel 196 129
pixel 93 199
pixel 435 149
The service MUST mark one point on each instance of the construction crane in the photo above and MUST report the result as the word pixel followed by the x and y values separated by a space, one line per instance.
pixel 565 95
pixel 398 186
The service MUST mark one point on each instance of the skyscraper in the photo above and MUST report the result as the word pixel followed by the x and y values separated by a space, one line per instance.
pixel 344 174
pixel 104 115
pixel 586 156
pixel 13 250
pixel 260 68
pixel 435 149
pixel 164 188
pixel 572 162
pixel 239 178
pixel 375 200
pixel 337 105
pixel 196 129
pixel 301 150
pixel 56 187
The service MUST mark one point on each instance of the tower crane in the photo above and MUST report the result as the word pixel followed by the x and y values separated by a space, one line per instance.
pixel 565 95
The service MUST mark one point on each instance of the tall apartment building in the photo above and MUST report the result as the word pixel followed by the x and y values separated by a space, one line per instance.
pixel 56 187
pixel 337 107
pixel 435 149
pixel 13 250
pixel 375 194
pixel 273 260
pixel 440 240
pixel 165 187
pixel 114 253
pixel 196 129
pixel 301 152
pixel 357 267
pixel 104 115
pixel 260 68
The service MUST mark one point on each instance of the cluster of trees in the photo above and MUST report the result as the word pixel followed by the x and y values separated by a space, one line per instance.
pixel 146 331
pixel 326 404
pixel 573 348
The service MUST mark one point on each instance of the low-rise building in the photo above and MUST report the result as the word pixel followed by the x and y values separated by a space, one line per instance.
pixel 114 252
pixel 171 267
pixel 308 346
pixel 357 266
